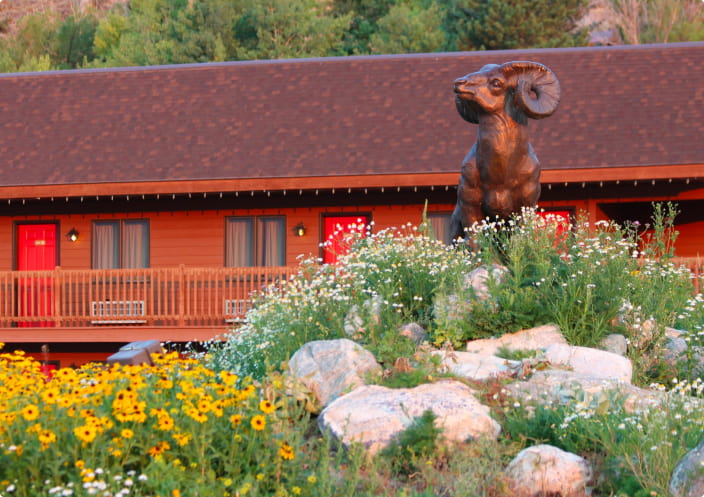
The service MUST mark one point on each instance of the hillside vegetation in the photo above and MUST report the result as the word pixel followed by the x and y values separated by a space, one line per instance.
pixel 38 35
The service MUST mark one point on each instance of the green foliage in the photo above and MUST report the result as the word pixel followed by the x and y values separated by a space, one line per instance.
pixel 658 21
pixel 385 280
pixel 581 279
pixel 515 354
pixel 639 449
pixel 409 28
pixel 510 24
pixel 414 444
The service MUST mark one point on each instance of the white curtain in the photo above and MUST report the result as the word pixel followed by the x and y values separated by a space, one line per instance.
pixel 239 242
pixel 105 255
pixel 135 253
pixel 440 224
pixel 272 242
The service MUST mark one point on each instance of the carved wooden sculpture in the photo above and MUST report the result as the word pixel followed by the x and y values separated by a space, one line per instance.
pixel 501 173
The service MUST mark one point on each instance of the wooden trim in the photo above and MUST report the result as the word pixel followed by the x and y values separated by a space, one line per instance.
pixel 117 334
pixel 680 171
pixel 570 175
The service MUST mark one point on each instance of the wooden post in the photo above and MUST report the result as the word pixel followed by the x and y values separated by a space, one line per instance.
pixel 181 295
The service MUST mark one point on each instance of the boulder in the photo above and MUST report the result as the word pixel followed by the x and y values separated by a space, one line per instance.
pixel 615 343
pixel 414 332
pixel 373 415
pixel 480 278
pixel 544 470
pixel 563 387
pixel 478 367
pixel 593 362
pixel 688 477
pixel 329 368
pixel 539 338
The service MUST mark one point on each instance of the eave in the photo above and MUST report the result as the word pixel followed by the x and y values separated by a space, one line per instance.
pixel 293 185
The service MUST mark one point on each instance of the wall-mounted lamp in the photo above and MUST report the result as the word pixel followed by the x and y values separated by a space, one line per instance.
pixel 72 235
pixel 299 230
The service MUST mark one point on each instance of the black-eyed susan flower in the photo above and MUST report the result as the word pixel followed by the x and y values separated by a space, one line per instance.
pixel 126 433
pixel 258 422
pixel 85 433
pixel 235 419
pixel 30 412
pixel 286 452
pixel 266 406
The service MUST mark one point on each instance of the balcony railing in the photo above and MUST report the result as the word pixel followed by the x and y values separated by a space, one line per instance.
pixel 181 296
pixel 157 297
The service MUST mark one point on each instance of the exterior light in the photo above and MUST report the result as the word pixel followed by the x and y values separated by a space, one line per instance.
pixel 299 230
pixel 72 235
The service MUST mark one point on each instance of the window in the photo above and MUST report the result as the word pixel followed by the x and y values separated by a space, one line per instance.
pixel 121 244
pixel 440 226
pixel 255 241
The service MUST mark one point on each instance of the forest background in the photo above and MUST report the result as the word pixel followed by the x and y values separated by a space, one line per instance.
pixel 39 35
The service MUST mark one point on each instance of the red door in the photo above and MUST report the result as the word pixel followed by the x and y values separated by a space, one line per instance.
pixel 36 251
pixel 337 233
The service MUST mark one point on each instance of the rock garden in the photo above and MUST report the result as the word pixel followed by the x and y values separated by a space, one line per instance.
pixel 539 360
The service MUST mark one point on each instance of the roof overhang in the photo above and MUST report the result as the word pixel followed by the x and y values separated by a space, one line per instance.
pixel 601 175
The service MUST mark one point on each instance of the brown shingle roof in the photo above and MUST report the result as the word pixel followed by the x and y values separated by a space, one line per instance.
pixel 621 106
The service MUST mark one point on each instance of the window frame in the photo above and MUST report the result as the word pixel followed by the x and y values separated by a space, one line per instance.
pixel 257 239
pixel 120 223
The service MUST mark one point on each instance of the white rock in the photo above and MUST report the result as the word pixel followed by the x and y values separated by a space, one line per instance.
pixel 538 338
pixel 330 368
pixel 616 343
pixel 545 470
pixel 373 415
pixel 592 362
pixel 564 387
pixel 688 476
pixel 480 278
pixel 477 367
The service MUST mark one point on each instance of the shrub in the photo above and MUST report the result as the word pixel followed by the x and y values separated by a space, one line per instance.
pixel 388 278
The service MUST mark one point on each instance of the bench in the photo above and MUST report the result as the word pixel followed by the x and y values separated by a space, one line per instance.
pixel 117 312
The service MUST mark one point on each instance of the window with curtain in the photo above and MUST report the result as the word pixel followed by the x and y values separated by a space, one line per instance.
pixel 440 225
pixel 122 244
pixel 255 241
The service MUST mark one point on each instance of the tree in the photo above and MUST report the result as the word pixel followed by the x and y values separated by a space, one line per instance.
pixel 409 28
pixel 510 24
pixel 74 41
pixel 658 21
pixel 280 29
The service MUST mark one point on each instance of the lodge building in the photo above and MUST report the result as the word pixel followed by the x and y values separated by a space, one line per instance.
pixel 147 203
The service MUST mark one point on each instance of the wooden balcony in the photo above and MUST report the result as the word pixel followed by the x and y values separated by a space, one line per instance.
pixel 176 304
pixel 169 304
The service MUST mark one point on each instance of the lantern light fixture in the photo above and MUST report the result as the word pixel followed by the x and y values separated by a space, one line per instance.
pixel 299 230
pixel 72 235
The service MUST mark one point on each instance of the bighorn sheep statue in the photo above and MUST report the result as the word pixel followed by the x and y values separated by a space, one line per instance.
pixel 501 173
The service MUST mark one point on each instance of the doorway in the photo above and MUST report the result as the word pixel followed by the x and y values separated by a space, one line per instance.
pixel 338 231
pixel 37 250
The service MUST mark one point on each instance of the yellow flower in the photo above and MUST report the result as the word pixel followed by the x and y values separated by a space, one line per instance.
pixel 30 412
pixel 166 423
pixel 286 452
pixel 258 422
pixel 126 433
pixel 50 395
pixel 260 476
pixel 80 464
pixel 47 437
pixel 312 479
pixel 236 419
pixel 181 438
pixel 296 490
pixel 176 493
pixel 85 433
pixel 267 406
